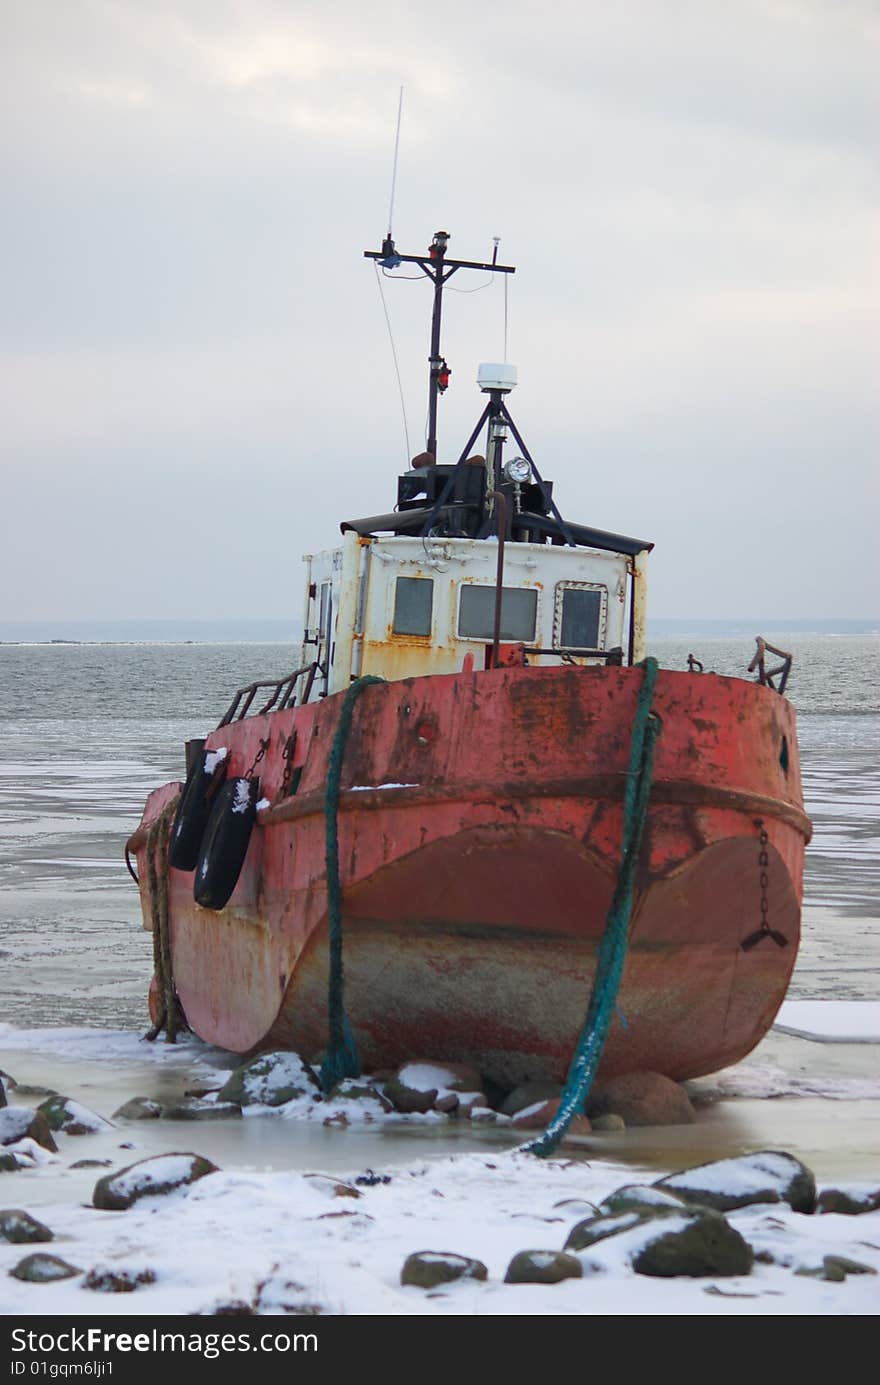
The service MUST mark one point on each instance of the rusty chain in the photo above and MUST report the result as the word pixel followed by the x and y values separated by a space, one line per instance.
pixel 264 746
pixel 764 931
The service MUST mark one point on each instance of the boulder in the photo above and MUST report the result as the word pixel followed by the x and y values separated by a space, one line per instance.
pixel 67 1115
pixel 540 1114
pixel 639 1197
pixel 273 1079
pixel 609 1124
pixel 696 1244
pixel 140 1108
pixel 529 1094
pixel 542 1267
pixel 847 1204
pixel 92 1164
pixel 119 1280
pixel 196 1108
pixel 408 1100
pixel 592 1229
pixel 421 1086
pixel 642 1098
pixel 21 1228
pixel 20 1122
pixel 427 1268
pixel 447 1077
pixel 743 1181
pixel 155 1177
pixel 43 1269
pixel 664 1243
pixel 835 1269
pixel 370 1099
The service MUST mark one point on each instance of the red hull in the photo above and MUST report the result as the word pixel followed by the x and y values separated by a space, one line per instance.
pixel 477 866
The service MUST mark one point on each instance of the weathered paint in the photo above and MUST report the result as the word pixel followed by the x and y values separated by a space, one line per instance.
pixel 449 563
pixel 474 899
pixel 639 588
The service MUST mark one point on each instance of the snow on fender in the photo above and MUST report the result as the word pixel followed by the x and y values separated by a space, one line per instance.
pixel 225 843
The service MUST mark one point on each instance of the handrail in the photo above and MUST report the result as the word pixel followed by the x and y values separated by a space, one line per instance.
pixel 282 692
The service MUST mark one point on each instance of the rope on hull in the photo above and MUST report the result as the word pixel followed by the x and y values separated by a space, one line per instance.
pixel 342 1056
pixel 615 938
pixel 171 1017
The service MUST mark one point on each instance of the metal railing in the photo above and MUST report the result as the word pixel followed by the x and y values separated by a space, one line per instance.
pixel 282 692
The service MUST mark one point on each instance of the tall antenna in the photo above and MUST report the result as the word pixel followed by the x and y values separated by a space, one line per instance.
pixel 438 269
pixel 394 167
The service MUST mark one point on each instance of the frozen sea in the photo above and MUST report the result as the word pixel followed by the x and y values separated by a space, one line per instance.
pixel 89 729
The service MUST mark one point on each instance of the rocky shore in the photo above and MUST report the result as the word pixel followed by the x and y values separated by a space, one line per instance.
pixel 747 1226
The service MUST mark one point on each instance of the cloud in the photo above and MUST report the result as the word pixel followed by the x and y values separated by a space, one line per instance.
pixel 688 191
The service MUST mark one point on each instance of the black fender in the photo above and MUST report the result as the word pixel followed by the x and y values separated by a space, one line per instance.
pixel 205 773
pixel 225 842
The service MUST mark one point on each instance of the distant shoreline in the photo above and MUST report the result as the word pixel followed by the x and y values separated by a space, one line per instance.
pixel 179 632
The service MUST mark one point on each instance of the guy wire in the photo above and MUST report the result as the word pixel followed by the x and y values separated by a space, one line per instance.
pixel 394 357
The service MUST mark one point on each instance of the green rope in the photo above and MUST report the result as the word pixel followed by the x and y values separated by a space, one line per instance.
pixel 612 949
pixel 342 1057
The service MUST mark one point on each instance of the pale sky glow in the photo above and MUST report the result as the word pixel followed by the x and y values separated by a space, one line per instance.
pixel 195 376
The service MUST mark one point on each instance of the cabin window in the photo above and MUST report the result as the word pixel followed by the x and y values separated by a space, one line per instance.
pixel 579 615
pixel 476 613
pixel 413 606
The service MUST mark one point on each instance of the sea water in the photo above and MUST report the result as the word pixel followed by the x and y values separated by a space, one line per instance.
pixel 90 729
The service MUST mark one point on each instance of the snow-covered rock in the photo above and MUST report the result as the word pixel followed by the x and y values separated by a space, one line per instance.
pixel 69 1116
pixel 21 1228
pixel 273 1079
pixel 162 1174
pixel 139 1108
pixel 43 1269
pixel 542 1267
pixel 20 1122
pixel 427 1268
pixel 766 1176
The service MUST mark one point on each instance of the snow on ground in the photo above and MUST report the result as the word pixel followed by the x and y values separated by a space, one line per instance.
pixel 831 1021
pixel 106 1044
pixel 227 1235
pixel 286 1240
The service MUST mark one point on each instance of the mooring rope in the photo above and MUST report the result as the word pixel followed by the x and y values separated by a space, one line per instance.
pixel 342 1057
pixel 171 1017
pixel 613 947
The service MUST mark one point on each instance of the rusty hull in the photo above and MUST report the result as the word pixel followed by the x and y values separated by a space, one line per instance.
pixel 479 833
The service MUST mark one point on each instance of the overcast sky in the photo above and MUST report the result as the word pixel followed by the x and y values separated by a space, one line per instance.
pixel 197 383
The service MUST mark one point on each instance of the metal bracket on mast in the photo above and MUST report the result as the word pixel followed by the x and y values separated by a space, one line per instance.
pixel 439 270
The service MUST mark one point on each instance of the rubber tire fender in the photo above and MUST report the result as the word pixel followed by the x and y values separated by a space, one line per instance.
pixel 193 812
pixel 225 843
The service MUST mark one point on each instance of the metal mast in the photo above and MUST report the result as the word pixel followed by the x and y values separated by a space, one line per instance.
pixel 439 270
